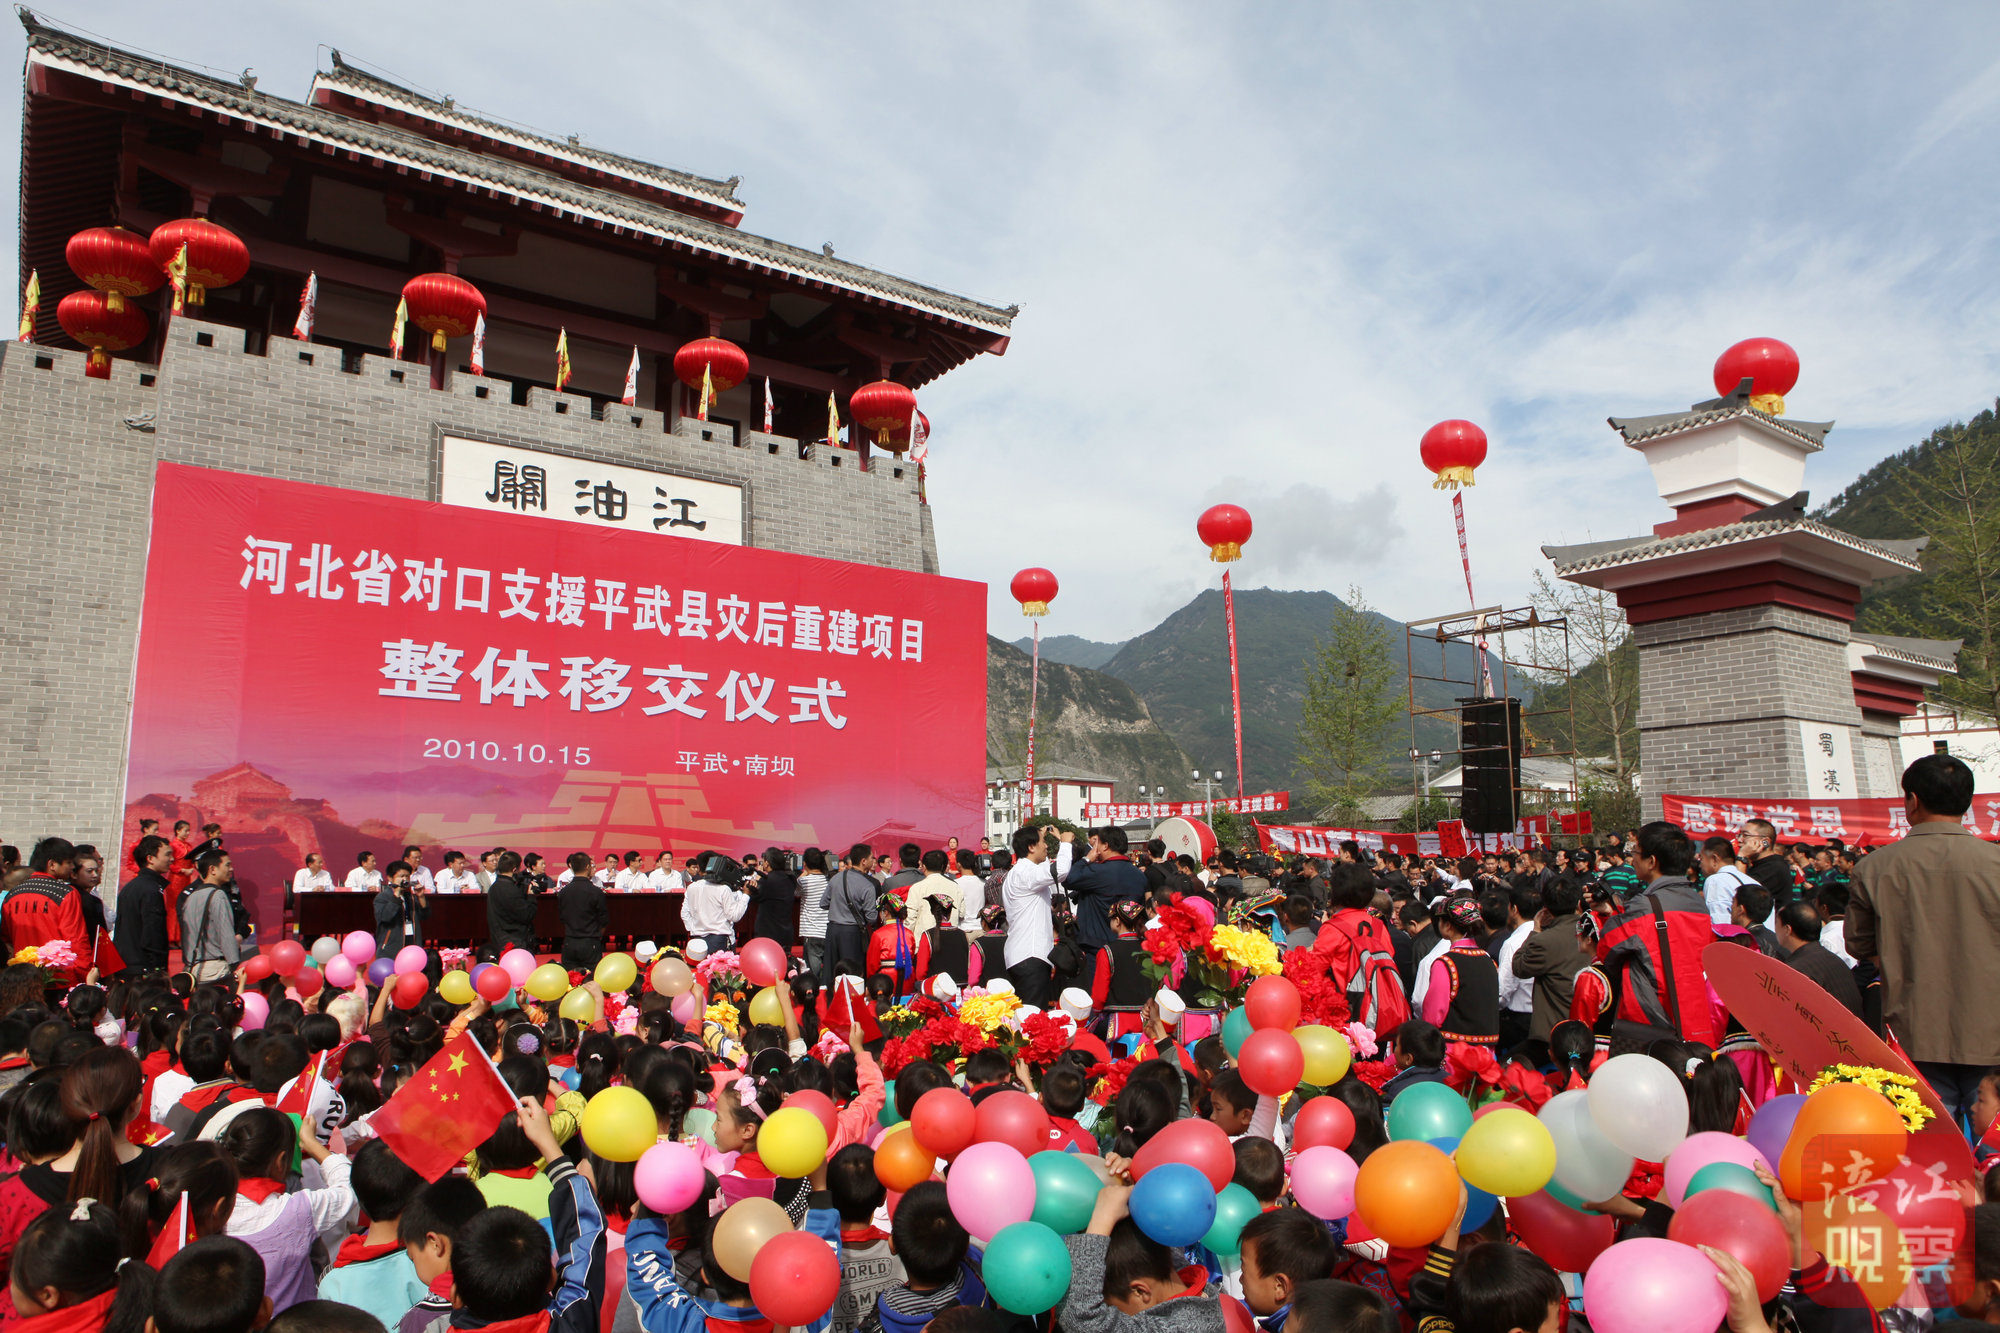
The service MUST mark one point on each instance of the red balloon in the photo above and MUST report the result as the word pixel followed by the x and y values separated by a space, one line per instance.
pixel 1272 1002
pixel 1271 1062
pixel 410 988
pixel 820 1105
pixel 1199 1143
pixel 493 984
pixel 1771 367
pixel 1012 1118
pixel 308 982
pixel 763 962
pixel 944 1121
pixel 256 968
pixel 1323 1122
pixel 287 957
pixel 1738 1226
pixel 1568 1239
pixel 794 1278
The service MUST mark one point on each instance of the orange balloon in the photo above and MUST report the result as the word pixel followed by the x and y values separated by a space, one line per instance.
pixel 1845 1109
pixel 1407 1193
pixel 900 1164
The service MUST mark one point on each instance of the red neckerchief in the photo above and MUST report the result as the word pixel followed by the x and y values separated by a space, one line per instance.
pixel 356 1250
pixel 751 1167
pixel 516 1172
pixel 1195 1278
pixel 14 1062
pixel 561 1062
pixel 861 1235
pixel 738 1325
pixel 154 1065
pixel 527 1323
pixel 259 1188
pixel 198 1098
pixel 83 1317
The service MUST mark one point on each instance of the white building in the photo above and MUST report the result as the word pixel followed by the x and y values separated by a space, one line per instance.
pixel 1060 792
pixel 1948 729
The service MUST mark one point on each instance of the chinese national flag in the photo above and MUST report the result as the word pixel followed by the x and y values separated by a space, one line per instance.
pixel 451 1107
pixel 104 957
pixel 174 1237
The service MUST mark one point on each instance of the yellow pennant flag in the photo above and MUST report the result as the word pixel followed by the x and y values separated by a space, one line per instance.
pixel 177 276
pixel 562 360
pixel 31 305
pixel 396 331
pixel 832 421
pixel 707 392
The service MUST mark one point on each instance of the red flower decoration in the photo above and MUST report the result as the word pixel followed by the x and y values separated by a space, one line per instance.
pixel 1466 1066
pixel 1320 999
pixel 1645 1182
pixel 1046 1039
pixel 1375 1073
pixel 1112 1078
pixel 1524 1087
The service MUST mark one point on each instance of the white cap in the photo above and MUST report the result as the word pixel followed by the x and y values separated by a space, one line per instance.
pixel 644 950
pixel 1076 1003
pixel 1000 986
pixel 1172 1006
pixel 942 987
pixel 696 949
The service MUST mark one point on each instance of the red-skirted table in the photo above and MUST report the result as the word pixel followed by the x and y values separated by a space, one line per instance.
pixel 460 918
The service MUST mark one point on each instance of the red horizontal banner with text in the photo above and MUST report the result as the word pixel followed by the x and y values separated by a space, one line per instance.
pixel 1287 840
pixel 1814 821
pixel 325 670
pixel 1262 803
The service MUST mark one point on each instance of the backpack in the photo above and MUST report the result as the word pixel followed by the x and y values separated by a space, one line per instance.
pixel 1375 990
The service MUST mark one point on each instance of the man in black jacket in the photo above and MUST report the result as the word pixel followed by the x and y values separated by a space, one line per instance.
pixel 510 912
pixel 585 916
pixel 1798 945
pixel 141 933
pixel 1106 876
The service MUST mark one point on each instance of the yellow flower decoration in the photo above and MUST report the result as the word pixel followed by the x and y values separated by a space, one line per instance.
pixel 26 955
pixel 1240 948
pixel 987 1012
pixel 896 1013
pixel 723 1012
pixel 1899 1089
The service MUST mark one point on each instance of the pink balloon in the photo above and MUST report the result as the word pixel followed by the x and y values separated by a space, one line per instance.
pixel 1201 907
pixel 990 1186
pixel 520 964
pixel 686 1008
pixel 763 962
pixel 1705 1149
pixel 668 1177
pixel 1648 1285
pixel 255 1011
pixel 411 958
pixel 340 973
pixel 1323 1182
pixel 358 948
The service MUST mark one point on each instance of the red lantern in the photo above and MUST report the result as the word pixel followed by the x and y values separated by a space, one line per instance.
pixel 88 317
pixel 116 262
pixel 443 305
pixel 215 256
pixel 1034 589
pixel 1771 367
pixel 1223 530
pixel 726 363
pixel 1452 449
pixel 884 407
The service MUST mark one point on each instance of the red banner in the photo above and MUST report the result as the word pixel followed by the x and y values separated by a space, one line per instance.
pixel 1287 840
pixel 1262 803
pixel 1853 822
pixel 320 669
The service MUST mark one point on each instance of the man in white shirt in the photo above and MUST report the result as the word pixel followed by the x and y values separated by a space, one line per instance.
pixel 314 878
pixel 486 873
pixel 971 893
pixel 1721 879
pixel 364 877
pixel 631 879
pixel 413 857
pixel 607 871
pixel 1517 994
pixel 935 883
pixel 710 913
pixel 455 878
pixel 1030 925
pixel 666 879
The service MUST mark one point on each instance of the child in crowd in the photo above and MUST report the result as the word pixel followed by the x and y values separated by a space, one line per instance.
pixel 67 1277
pixel 1239 1111
pixel 1340 1307
pixel 282 1227
pixel 1282 1250
pixel 215 1285
pixel 1064 1092
pixel 892 949
pixel 1121 1281
pixel 428 1231
pixel 936 1274
pixel 1418 1047
pixel 868 1261
pixel 372 1268
pixel 508 1164
pixel 202 1174
pixel 325 1317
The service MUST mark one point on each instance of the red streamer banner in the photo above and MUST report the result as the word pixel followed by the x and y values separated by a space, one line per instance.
pixel 1853 822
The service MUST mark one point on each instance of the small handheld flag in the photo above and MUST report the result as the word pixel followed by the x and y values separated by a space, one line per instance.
pixel 302 327
pixel 479 343
pixel 920 436
pixel 31 305
pixel 632 380
pixel 563 371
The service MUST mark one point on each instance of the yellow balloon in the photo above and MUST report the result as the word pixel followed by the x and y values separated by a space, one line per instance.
pixel 619 1125
pixel 792 1142
pixel 616 972
pixel 456 987
pixel 580 1005
pixel 767 1007
pixel 1327 1054
pixel 742 1230
pixel 1507 1152
pixel 548 982
pixel 672 976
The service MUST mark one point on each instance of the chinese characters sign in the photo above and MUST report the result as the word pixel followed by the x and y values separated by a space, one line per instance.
pixel 465 679
pixel 1828 754
pixel 499 477
pixel 1261 803
pixel 1814 820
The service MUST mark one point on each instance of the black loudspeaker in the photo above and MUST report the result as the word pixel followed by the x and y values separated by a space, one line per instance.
pixel 1489 743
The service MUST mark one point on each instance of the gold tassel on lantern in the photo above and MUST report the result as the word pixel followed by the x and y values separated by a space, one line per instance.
pixel 1770 404
pixel 1451 478
pixel 1224 552
pixel 1034 608
pixel 437 340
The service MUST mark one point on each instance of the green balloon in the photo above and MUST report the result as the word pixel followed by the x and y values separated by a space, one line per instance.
pixel 1234 1208
pixel 1235 1031
pixel 1559 1194
pixel 887 1115
pixel 1026 1267
pixel 1065 1191
pixel 1734 1178
pixel 1427 1111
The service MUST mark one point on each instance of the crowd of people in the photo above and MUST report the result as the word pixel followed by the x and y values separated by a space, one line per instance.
pixel 190 1132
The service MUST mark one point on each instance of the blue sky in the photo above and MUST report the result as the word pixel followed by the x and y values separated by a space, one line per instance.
pixel 1259 249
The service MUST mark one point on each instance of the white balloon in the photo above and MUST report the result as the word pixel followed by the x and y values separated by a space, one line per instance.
pixel 1639 1105
pixel 325 947
pixel 1588 1165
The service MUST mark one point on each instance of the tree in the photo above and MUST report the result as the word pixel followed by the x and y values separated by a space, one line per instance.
pixel 1602 694
pixel 1352 697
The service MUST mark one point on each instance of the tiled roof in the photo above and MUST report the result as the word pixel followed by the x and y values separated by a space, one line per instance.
pixel 1608 555
pixel 1940 654
pixel 1046 772
pixel 1636 430
pixel 346 77
pixel 340 133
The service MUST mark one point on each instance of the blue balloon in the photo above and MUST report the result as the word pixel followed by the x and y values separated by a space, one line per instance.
pixel 1174 1204
pixel 1479 1205
pixel 571 1079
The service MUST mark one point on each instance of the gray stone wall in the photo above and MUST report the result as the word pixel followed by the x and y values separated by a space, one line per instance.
pixel 76 466
pixel 1721 696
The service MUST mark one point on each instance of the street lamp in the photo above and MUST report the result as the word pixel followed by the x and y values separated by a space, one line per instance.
pixel 1425 761
pixel 1208 785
